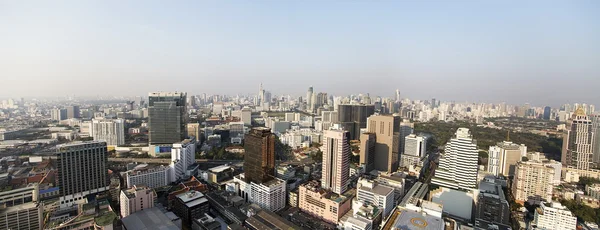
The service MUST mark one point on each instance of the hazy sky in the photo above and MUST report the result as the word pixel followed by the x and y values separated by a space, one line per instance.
pixel 544 52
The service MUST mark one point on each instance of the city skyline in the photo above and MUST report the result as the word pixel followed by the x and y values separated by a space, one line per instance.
pixel 489 51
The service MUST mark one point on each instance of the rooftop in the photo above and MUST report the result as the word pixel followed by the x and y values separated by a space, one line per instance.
pixel 220 168
pixel 412 220
pixel 149 219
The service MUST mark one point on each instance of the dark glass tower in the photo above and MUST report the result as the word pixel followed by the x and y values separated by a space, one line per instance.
pixel 259 159
pixel 167 117
pixel 354 117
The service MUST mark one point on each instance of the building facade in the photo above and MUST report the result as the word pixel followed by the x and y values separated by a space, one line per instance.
pixel 533 182
pixel 109 130
pixel 167 117
pixel 458 165
pixel 354 117
pixel 336 160
pixel 578 142
pixel 137 198
pixel 387 141
pixel 321 203
pixel 259 158
pixel 554 216
pixel 492 206
pixel 152 177
pixel 367 151
pixel 503 157
pixel 183 154
pixel 371 192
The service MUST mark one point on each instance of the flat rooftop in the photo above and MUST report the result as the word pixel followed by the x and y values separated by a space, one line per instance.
pixel 411 220
pixel 149 219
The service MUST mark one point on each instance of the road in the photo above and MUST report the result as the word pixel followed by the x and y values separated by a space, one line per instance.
pixel 166 160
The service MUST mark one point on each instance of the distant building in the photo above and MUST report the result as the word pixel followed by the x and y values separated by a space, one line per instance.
pixel 533 182
pixel 336 160
pixel 458 165
pixel 58 114
pixel 108 130
pixel 323 204
pixel 503 157
pixel 578 142
pixel 190 206
pixel 553 216
pixel 492 206
pixel 73 112
pixel 167 117
pixel 81 171
pixel 547 112
pixel 193 130
pixel 136 199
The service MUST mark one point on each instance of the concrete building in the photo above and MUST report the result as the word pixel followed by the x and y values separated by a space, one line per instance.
pixel 81 171
pixel 354 117
pixel 151 176
pixel 387 141
pixel 367 151
pixel 578 142
pixel 336 160
pixel 533 182
pixel 415 145
pixel 371 192
pixel 259 158
pixel 20 209
pixel 413 220
pixel 503 158
pixel 73 112
pixel 553 216
pixel 322 203
pixel 270 195
pixel 492 206
pixel 190 206
pixel 183 154
pixel 167 117
pixel 135 199
pixel 58 114
pixel 406 128
pixel 111 131
pixel 363 216
pixel 193 130
pixel 458 165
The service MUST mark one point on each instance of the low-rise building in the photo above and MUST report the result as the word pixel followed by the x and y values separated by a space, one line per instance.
pixel 136 199
pixel 151 176
pixel 323 203
pixel 371 192
pixel 553 216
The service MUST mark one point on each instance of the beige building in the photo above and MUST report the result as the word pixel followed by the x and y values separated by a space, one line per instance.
pixel 387 141
pixel 136 199
pixel 322 203
pixel 336 160
pixel 503 158
pixel 533 182
pixel 367 151
pixel 193 129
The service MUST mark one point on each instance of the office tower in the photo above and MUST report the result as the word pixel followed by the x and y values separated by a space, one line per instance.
pixel 578 142
pixel 387 143
pixel 415 148
pixel 553 215
pixel 458 165
pixel 81 170
pixel 20 209
pixel 492 206
pixel 309 96
pixel 596 129
pixel 397 95
pixel 167 116
pixel 371 192
pixel 367 151
pixel 336 160
pixel 259 158
pixel 503 157
pixel 533 181
pixel 547 111
pixel 58 114
pixel 183 154
pixel 108 130
pixel 136 198
pixel 73 111
pixel 354 117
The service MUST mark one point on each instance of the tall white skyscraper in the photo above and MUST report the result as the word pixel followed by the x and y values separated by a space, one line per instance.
pixel 309 97
pixel 458 165
pixel 397 95
pixel 109 130
pixel 336 160
pixel 578 143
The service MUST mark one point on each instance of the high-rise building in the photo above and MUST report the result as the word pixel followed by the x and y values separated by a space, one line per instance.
pixel 309 98
pixel 397 95
pixel 371 192
pixel 336 160
pixel 367 151
pixel 533 182
pixel 458 165
pixel 167 117
pixel 108 130
pixel 81 171
pixel 259 158
pixel 578 142
pixel 547 111
pixel 183 154
pixel 387 141
pixel 415 148
pixel 553 215
pixel 596 128
pixel 503 158
pixel 354 117
pixel 137 198
pixel 492 206
pixel 406 128
pixel 153 176
pixel 58 114
pixel 73 112
pixel 193 130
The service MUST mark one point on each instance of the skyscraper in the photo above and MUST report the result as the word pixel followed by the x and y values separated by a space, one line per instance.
pixel 110 131
pixel 58 114
pixel 578 142
pixel 397 95
pixel 387 141
pixel 367 151
pixel 458 165
pixel 167 117
pixel 596 129
pixel 336 160
pixel 81 170
pixel 259 159
pixel 309 96
pixel 354 117
pixel 547 111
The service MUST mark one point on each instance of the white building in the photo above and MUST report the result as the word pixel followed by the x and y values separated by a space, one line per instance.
pixel 112 131
pixel 373 193
pixel 270 195
pixel 415 145
pixel 554 216
pixel 182 156
pixel 533 182
pixel 136 199
pixel 152 177
pixel 503 158
pixel 458 165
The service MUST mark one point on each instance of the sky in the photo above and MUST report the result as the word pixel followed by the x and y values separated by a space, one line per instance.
pixel 538 52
